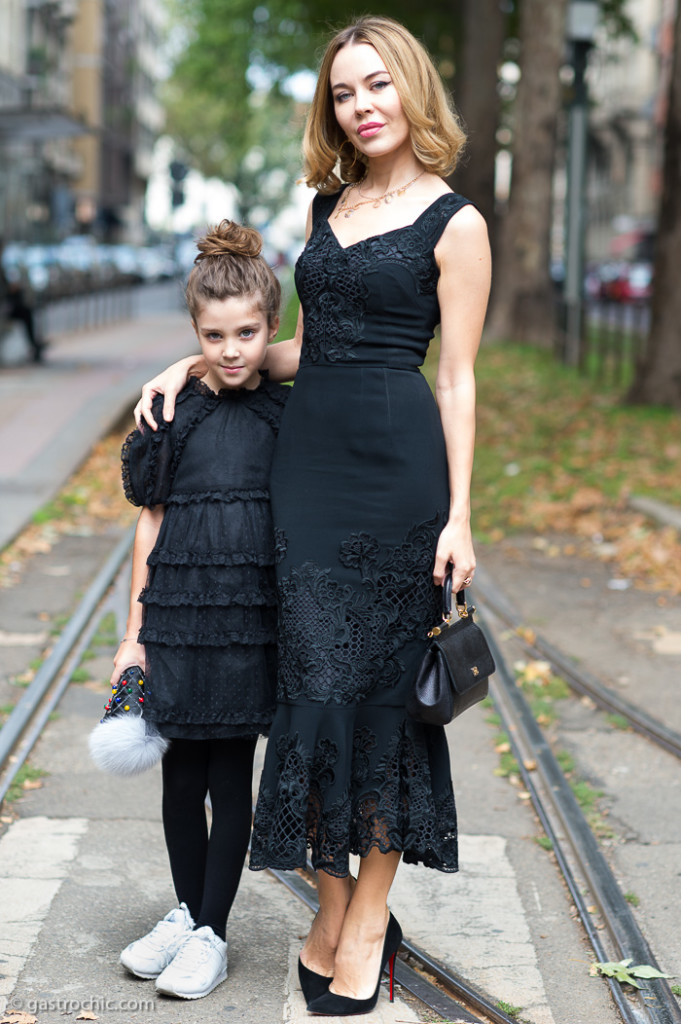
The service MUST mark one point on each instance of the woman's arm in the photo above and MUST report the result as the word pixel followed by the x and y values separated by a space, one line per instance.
pixel 281 361
pixel 465 269
pixel 169 383
pixel 282 357
pixel 130 652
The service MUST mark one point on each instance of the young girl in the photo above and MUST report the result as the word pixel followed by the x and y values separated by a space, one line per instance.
pixel 202 607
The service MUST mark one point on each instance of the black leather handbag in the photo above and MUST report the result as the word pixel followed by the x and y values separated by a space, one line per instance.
pixel 454 672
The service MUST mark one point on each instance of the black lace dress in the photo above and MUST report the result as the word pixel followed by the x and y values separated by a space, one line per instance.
pixel 359 495
pixel 209 620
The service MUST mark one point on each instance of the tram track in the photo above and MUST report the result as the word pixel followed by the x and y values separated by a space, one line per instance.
pixel 584 868
pixel 579 680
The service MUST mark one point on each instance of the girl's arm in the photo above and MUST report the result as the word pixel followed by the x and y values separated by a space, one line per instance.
pixel 130 652
pixel 281 361
pixel 465 268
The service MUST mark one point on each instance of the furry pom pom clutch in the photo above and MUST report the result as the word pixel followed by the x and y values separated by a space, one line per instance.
pixel 123 743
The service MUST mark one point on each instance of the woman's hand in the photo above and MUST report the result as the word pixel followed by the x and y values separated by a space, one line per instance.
pixel 128 654
pixel 168 383
pixel 455 547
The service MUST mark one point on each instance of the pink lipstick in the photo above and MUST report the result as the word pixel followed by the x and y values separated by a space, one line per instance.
pixel 366 130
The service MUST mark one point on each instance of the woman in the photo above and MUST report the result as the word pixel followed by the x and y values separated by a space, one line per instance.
pixel 370 495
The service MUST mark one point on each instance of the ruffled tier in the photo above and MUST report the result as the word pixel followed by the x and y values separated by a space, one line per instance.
pixel 345 780
pixel 232 531
pixel 191 685
pixel 172 586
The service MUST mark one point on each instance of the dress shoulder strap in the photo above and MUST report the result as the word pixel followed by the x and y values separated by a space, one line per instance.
pixel 322 206
pixel 437 216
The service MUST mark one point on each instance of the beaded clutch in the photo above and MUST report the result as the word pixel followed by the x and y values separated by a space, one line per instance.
pixel 123 742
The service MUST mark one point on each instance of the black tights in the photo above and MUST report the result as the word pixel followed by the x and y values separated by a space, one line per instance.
pixel 206 869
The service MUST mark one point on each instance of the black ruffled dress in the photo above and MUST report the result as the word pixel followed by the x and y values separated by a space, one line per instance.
pixel 360 495
pixel 209 623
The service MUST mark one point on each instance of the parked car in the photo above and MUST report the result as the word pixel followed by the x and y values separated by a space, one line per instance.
pixel 638 286
pixel 625 282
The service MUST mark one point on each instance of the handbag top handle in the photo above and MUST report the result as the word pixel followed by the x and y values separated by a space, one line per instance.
pixel 462 608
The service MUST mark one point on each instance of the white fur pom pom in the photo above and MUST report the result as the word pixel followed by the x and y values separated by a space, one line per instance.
pixel 126 745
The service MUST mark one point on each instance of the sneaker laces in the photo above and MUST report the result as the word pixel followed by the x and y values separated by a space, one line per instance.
pixel 194 950
pixel 156 939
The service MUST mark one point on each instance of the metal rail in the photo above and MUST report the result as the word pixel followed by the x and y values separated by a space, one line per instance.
pixel 574 843
pixel 577 678
pixel 33 708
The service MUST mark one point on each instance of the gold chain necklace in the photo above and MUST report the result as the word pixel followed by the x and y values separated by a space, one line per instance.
pixel 387 197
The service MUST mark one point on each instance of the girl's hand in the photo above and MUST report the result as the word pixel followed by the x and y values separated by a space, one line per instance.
pixel 128 654
pixel 455 547
pixel 168 383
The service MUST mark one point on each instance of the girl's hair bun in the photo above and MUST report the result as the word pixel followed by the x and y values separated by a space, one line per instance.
pixel 229 239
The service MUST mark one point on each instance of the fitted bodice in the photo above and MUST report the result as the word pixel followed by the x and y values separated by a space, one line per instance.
pixel 374 302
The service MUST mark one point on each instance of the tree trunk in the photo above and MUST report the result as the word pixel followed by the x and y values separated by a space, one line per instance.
pixel 658 375
pixel 522 298
pixel 477 99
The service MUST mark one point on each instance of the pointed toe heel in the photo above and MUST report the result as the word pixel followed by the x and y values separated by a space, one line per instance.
pixel 330 1004
pixel 313 985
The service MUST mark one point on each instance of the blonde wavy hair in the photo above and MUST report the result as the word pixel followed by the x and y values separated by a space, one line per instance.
pixel 436 133
pixel 229 265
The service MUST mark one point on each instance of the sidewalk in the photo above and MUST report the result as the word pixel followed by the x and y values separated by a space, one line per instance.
pixel 83 868
pixel 52 413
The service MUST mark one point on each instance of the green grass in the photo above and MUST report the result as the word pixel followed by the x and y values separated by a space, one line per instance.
pixel 564 433
pixel 508 1008
pixel 544 842
pixel 289 318
pixel 80 675
pixel 27 773
pixel 618 722
pixel 566 762
pixel 632 898
pixel 106 635
pixel 60 507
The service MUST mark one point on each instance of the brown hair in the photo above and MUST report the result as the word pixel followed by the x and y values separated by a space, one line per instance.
pixel 436 133
pixel 229 265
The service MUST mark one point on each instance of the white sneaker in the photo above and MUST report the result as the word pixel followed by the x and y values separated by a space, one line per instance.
pixel 148 956
pixel 198 966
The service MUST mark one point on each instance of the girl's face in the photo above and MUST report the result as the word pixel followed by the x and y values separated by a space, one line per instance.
pixel 366 103
pixel 234 334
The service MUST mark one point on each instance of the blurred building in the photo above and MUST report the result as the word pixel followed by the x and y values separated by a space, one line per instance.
pixel 628 83
pixel 78 115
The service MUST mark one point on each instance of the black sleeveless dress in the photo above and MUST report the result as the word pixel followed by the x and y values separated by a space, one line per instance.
pixel 359 496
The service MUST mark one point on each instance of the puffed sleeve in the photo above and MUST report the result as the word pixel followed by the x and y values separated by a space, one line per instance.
pixel 147 458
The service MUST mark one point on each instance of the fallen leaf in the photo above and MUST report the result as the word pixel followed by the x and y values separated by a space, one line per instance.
pixel 87 1015
pixel 530 765
pixel 18 1017
pixel 32 784
pixel 623 972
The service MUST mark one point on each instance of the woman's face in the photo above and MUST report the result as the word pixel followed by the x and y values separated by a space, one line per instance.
pixel 366 103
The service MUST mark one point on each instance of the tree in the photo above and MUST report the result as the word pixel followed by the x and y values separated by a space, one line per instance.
pixel 658 375
pixel 522 299
pixel 225 100
pixel 477 98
